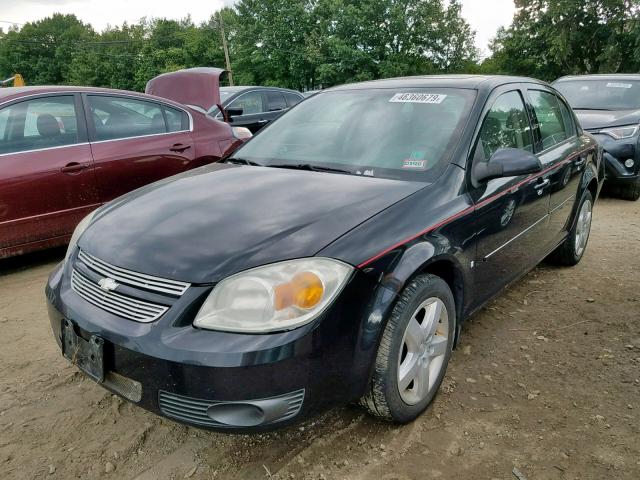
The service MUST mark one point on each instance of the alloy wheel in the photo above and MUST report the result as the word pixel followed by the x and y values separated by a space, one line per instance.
pixel 424 346
pixel 583 227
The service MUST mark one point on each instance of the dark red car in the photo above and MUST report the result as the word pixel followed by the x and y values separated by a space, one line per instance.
pixel 66 150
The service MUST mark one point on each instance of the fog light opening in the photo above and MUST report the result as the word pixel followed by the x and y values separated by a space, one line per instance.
pixel 629 163
pixel 236 414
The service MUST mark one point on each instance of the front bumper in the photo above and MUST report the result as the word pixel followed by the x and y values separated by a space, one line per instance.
pixel 616 152
pixel 227 381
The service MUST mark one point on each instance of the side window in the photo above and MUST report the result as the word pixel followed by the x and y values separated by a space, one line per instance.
pixel 567 119
pixel 4 121
pixel 39 123
pixel 275 101
pixel 177 120
pixel 120 117
pixel 292 98
pixel 550 119
pixel 505 126
pixel 250 102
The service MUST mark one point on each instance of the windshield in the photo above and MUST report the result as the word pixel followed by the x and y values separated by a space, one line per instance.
pixel 601 94
pixel 403 134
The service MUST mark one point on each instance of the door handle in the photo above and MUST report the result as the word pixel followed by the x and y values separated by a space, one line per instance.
pixel 580 162
pixel 179 147
pixel 542 184
pixel 74 167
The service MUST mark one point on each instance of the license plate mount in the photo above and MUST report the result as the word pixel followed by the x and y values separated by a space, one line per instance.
pixel 88 355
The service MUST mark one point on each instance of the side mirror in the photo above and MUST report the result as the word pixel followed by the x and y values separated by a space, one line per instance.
pixel 233 112
pixel 507 162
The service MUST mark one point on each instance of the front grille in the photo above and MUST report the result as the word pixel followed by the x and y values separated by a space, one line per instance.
pixel 134 279
pixel 116 303
pixel 194 410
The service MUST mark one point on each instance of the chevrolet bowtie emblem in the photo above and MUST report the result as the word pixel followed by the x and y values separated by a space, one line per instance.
pixel 108 284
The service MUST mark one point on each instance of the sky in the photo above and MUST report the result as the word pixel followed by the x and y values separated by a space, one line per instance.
pixel 484 16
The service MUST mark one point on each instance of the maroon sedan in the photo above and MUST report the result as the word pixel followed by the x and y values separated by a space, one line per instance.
pixel 66 150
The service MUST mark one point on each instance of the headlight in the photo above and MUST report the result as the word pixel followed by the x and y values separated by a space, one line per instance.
pixel 275 297
pixel 82 226
pixel 619 133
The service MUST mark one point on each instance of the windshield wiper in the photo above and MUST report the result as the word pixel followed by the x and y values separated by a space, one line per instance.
pixel 312 168
pixel 244 161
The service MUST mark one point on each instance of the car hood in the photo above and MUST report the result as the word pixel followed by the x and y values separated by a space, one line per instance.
pixel 206 224
pixel 191 86
pixel 597 119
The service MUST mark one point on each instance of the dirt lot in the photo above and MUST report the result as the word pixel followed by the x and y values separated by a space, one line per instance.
pixel 546 379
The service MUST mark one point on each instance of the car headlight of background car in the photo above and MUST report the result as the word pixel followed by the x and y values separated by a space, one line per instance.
pixel 619 133
pixel 275 297
pixel 82 226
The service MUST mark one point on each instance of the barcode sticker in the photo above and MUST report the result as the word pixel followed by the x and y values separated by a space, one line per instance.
pixel 619 85
pixel 418 98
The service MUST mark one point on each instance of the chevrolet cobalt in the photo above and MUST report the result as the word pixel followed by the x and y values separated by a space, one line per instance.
pixel 331 259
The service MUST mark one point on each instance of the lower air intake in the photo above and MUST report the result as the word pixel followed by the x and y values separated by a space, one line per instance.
pixel 214 413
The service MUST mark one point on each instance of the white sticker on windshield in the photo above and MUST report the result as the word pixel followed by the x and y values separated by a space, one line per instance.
pixel 619 85
pixel 418 98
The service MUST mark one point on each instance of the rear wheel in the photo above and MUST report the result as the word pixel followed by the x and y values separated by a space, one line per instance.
pixel 414 351
pixel 571 251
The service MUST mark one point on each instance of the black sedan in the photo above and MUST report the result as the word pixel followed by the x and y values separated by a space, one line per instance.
pixel 255 107
pixel 608 106
pixel 333 258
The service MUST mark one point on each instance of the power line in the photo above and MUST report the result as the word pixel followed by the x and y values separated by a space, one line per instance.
pixel 11 23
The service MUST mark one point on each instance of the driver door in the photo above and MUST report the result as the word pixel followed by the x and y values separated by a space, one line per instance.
pixel 512 212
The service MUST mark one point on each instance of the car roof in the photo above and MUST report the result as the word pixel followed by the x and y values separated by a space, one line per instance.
pixel 11 93
pixel 242 88
pixel 475 82
pixel 601 76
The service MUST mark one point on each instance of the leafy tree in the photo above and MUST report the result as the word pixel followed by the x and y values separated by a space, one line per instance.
pixel 550 38
pixel 43 51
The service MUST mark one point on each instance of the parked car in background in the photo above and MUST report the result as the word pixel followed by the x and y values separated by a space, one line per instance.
pixel 331 259
pixel 255 107
pixel 608 106
pixel 64 151
pixel 251 107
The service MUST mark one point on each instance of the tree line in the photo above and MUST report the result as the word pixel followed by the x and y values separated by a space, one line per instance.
pixel 308 44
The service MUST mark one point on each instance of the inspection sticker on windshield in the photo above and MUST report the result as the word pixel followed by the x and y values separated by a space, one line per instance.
pixel 417 98
pixel 414 164
pixel 619 85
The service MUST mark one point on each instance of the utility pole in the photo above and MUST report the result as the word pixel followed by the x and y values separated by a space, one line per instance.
pixel 225 47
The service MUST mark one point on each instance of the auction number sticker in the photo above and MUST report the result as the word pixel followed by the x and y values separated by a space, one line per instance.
pixel 418 98
pixel 619 85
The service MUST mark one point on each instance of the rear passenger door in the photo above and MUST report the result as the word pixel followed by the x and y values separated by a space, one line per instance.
pixel 136 141
pixel 47 181
pixel 276 104
pixel 560 151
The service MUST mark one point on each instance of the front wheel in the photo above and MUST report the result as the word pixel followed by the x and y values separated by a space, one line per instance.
pixel 571 251
pixel 631 191
pixel 414 351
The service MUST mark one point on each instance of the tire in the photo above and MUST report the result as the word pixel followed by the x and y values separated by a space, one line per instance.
pixel 571 250
pixel 412 338
pixel 630 192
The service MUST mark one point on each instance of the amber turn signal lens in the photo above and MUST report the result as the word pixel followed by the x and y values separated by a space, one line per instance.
pixel 304 290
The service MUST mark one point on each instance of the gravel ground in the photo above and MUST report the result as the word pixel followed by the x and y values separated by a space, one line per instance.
pixel 546 379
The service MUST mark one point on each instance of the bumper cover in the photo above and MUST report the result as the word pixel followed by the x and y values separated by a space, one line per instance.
pixel 253 382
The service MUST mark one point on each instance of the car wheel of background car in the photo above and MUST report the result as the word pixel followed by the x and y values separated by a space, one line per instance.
pixel 630 192
pixel 570 251
pixel 414 351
